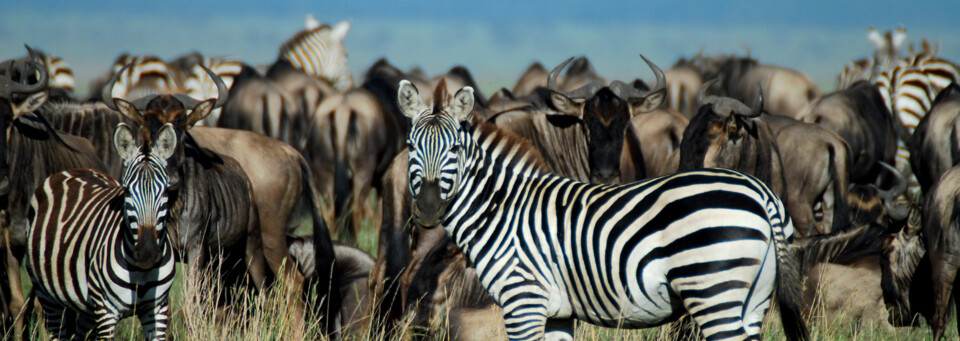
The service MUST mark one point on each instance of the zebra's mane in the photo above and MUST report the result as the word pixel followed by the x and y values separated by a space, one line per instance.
pixel 491 136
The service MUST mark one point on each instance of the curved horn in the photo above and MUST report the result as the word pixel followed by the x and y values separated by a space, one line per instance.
pixel 552 79
pixel 661 78
pixel 703 89
pixel 106 94
pixel 661 84
pixel 896 212
pixel 222 89
pixel 757 107
pixel 9 86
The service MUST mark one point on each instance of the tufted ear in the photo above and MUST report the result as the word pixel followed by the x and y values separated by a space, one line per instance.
pixel 566 105
pixel 647 103
pixel 166 141
pixel 201 111
pixel 898 38
pixel 124 142
pixel 30 104
pixel 462 104
pixel 339 31
pixel 408 98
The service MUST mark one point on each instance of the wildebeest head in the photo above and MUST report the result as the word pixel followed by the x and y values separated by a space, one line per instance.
pixel 901 262
pixel 725 133
pixel 151 149
pixel 605 112
pixel 868 203
pixel 23 89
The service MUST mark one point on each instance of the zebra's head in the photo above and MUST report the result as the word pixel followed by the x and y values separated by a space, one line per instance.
pixel 438 144
pixel 147 184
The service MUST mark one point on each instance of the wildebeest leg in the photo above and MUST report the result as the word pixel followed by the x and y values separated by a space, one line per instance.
pixel 803 217
pixel 16 300
pixel 944 276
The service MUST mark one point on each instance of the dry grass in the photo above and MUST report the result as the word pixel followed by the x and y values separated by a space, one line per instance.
pixel 263 315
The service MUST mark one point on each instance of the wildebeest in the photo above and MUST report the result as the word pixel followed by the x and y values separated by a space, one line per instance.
pixel 935 146
pixel 30 150
pixel 859 115
pixel 725 133
pixel 815 173
pixel 583 132
pixel 785 91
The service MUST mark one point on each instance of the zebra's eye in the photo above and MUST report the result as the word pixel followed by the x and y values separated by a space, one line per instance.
pixel 455 148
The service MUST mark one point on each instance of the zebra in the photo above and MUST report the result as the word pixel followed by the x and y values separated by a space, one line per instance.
pixel 549 250
pixel 317 51
pixel 908 91
pixel 97 249
pixel 200 86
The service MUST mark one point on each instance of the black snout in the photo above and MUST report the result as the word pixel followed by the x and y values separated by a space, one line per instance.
pixel 147 250
pixel 429 209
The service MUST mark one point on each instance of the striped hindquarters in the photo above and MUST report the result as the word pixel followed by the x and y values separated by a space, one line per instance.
pixel 148 75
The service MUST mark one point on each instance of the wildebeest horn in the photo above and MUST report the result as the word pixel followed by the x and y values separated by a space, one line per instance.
pixel 24 68
pixel 896 212
pixel 222 91
pixel 661 84
pixel 757 107
pixel 703 90
pixel 107 92
pixel 581 92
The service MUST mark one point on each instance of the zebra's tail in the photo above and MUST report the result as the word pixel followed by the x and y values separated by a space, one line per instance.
pixel 789 289
pixel 327 279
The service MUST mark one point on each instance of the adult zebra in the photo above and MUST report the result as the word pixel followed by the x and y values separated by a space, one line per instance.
pixel 97 250
pixel 549 249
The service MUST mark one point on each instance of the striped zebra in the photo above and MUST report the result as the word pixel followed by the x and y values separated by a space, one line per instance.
pixel 318 51
pixel 549 249
pixel 146 75
pixel 200 86
pixel 97 250
pixel 908 91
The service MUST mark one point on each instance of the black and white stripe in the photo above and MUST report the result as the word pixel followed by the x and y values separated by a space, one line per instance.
pixel 147 75
pixel 550 249
pixel 97 250
pixel 318 51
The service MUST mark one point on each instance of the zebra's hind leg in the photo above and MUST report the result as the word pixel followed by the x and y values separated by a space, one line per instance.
pixel 559 330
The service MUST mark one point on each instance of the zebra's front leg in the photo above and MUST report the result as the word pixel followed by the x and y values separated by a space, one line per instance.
pixel 155 321
pixel 107 320
pixel 525 318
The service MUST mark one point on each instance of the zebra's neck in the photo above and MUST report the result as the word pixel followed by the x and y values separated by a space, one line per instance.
pixel 497 162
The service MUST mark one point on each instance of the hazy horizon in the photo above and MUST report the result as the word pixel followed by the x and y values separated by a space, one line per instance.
pixel 495 40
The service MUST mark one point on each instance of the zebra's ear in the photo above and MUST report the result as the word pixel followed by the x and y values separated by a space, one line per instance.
pixel 408 98
pixel 462 104
pixel 339 31
pixel 166 141
pixel 876 38
pixel 124 142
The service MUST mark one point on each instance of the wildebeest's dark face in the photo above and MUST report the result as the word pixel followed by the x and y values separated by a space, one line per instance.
pixel 605 120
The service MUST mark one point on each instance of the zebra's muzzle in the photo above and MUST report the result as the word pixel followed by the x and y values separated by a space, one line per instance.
pixel 147 250
pixel 428 208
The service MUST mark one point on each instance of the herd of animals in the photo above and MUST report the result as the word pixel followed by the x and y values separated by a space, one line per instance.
pixel 739 179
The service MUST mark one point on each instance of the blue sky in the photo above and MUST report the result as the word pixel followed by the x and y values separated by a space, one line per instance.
pixel 495 39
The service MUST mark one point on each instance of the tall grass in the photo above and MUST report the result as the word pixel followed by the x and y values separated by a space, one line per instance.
pixel 264 315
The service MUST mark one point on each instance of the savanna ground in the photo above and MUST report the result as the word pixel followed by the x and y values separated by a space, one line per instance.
pixel 264 315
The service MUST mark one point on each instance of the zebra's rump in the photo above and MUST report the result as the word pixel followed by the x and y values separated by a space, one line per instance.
pixel 637 250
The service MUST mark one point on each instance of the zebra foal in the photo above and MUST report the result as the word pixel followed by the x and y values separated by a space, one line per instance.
pixel 97 249
pixel 550 250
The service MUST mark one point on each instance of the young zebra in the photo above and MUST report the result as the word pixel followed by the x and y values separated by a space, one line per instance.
pixel 97 250
pixel 550 250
